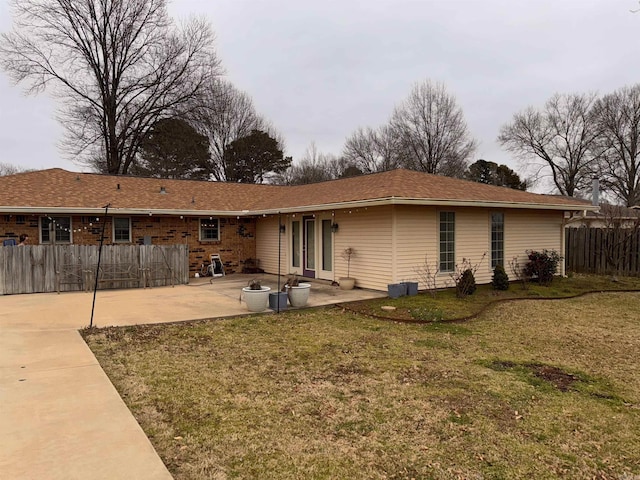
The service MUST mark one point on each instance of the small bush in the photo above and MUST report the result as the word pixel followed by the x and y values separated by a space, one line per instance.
pixel 542 265
pixel 464 276
pixel 500 279
pixel 466 285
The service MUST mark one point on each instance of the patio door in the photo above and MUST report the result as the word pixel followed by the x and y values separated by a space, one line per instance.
pixel 312 247
pixel 309 247
pixel 326 250
pixel 296 246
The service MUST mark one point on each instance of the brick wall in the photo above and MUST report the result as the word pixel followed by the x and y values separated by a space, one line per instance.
pixel 12 226
pixel 237 236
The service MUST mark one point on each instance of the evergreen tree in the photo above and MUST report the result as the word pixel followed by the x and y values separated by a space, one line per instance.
pixel 173 149
pixel 491 173
pixel 254 158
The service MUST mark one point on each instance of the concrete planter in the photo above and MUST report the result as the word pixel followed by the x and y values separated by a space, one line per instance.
pixel 412 288
pixel 299 295
pixel 347 283
pixel 396 290
pixel 278 301
pixel 256 300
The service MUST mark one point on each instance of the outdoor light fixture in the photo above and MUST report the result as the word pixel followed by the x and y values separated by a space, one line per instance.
pixel 282 228
pixel 334 227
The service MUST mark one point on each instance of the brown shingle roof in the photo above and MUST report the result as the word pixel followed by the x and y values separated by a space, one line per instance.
pixel 59 189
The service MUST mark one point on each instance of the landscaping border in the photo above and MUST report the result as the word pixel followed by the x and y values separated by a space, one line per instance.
pixel 479 312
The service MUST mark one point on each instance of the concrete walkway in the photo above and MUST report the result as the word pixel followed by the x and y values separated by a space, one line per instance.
pixel 60 416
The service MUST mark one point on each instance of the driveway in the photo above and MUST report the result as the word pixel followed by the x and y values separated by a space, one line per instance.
pixel 60 416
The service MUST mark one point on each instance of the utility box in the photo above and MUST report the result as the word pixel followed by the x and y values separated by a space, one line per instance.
pixel 396 290
pixel 278 301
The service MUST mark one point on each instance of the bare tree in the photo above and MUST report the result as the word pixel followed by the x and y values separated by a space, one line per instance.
pixel 373 150
pixel 617 116
pixel 560 137
pixel 119 66
pixel 10 169
pixel 432 131
pixel 225 114
pixel 315 166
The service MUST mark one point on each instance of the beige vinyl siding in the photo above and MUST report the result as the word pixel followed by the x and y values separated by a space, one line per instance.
pixel 369 232
pixel 523 230
pixel 416 231
pixel 267 245
pixel 417 234
pixel 392 241
pixel 473 240
pixel 531 230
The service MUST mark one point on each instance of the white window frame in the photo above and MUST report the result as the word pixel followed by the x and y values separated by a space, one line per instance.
pixel 113 230
pixel 55 242
pixel 453 243
pixel 492 261
pixel 200 229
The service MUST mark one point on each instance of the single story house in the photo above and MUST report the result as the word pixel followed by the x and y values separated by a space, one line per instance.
pixel 393 220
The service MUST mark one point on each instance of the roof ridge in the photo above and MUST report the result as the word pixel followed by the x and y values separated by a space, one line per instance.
pixel 87 189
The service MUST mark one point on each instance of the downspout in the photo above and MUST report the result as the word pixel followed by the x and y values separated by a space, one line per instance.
pixel 563 245
pixel 279 260
pixel 394 253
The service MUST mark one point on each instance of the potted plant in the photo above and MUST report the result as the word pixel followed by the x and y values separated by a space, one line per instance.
pixel 347 283
pixel 256 296
pixel 298 292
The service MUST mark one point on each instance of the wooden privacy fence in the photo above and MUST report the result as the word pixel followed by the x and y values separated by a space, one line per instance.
pixel 50 268
pixel 603 251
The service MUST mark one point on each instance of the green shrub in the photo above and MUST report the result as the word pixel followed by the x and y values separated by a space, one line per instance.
pixel 542 265
pixel 466 284
pixel 500 279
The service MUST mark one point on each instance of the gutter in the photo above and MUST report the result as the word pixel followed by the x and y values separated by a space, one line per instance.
pixel 427 202
pixel 299 209
pixel 99 211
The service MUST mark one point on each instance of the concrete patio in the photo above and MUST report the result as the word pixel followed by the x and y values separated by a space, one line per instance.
pixel 60 416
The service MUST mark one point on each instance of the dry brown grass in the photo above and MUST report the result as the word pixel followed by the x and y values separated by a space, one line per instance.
pixel 327 394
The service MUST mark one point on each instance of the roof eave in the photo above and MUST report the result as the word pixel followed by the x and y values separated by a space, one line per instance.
pixel 296 209
pixel 426 202
pixel 121 211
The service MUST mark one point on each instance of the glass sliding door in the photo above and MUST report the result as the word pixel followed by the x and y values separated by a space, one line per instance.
pixel 296 245
pixel 326 268
pixel 309 247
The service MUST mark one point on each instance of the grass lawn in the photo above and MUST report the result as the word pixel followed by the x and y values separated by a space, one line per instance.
pixel 527 390
pixel 446 306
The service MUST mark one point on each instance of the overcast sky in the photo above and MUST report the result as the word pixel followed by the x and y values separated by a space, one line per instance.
pixel 318 70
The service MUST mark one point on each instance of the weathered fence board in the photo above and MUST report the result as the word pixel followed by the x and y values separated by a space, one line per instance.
pixel 603 251
pixel 47 268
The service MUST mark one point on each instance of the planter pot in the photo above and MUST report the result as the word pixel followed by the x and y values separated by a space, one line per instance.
pixel 256 300
pixel 347 283
pixel 412 288
pixel 396 290
pixel 278 301
pixel 299 296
